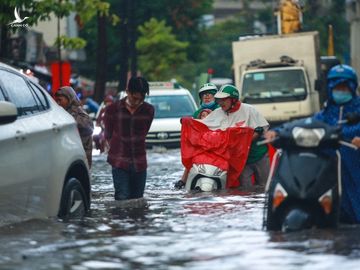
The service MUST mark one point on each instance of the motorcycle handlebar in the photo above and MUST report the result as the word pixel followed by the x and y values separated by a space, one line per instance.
pixel 266 141
pixel 345 143
pixel 349 145
pixel 350 118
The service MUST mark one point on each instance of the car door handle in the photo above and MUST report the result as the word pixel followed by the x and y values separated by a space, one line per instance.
pixel 56 128
pixel 20 135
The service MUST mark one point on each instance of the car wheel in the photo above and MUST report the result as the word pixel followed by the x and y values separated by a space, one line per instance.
pixel 73 200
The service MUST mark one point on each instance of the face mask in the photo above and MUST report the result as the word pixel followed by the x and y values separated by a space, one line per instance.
pixel 341 97
pixel 208 105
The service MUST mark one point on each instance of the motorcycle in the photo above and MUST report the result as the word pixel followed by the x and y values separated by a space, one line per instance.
pixel 304 185
pixel 214 158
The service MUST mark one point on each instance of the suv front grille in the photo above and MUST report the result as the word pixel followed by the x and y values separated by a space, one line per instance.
pixel 163 137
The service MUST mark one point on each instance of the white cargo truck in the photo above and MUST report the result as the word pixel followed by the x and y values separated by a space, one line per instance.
pixel 279 74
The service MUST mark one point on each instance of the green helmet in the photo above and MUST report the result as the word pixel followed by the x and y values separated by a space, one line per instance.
pixel 208 87
pixel 227 90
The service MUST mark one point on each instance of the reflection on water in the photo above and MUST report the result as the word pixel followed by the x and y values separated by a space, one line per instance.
pixel 172 229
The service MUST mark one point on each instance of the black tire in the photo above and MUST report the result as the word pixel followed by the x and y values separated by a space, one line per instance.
pixel 74 203
pixel 271 223
pixel 334 218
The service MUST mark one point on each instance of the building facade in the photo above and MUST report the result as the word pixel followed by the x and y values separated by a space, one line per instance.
pixel 353 15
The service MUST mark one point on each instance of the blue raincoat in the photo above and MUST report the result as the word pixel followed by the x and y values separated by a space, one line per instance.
pixel 331 114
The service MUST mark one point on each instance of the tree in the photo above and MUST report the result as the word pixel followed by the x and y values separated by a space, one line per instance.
pixel 86 10
pixel 317 18
pixel 182 15
pixel 219 45
pixel 37 11
pixel 160 53
pixel 102 17
pixel 34 10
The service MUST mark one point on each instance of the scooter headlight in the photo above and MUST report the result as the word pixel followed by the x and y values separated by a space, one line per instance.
pixel 308 137
pixel 279 196
pixel 326 201
pixel 206 184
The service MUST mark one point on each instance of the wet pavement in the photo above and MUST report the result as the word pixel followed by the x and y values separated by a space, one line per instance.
pixel 172 229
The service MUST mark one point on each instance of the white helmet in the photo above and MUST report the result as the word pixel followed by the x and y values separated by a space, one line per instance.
pixel 208 87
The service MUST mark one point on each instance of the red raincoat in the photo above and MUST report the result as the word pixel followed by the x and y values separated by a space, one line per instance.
pixel 227 149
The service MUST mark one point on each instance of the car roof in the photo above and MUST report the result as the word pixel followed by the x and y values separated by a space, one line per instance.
pixel 163 92
pixel 3 65
pixel 166 88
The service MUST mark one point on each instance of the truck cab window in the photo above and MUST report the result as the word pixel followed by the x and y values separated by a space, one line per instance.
pixel 276 85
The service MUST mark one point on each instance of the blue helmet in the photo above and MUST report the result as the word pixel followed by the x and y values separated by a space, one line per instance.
pixel 340 74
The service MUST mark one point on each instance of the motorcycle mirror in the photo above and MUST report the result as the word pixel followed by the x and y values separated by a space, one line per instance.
pixel 352 118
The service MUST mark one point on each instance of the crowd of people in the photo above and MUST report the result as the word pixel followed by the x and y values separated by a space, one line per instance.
pixel 127 121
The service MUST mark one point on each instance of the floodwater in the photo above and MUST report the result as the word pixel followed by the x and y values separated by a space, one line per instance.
pixel 172 230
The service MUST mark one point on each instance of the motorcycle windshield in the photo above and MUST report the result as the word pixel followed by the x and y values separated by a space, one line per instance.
pixel 226 149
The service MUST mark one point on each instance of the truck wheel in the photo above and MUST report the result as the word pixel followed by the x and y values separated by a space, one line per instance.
pixel 73 200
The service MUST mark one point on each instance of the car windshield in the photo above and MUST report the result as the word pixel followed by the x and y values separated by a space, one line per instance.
pixel 278 85
pixel 171 106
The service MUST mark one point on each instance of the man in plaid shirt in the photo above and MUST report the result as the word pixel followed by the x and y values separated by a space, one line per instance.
pixel 127 122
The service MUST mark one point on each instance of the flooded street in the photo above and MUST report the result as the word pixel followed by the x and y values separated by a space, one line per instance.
pixel 173 230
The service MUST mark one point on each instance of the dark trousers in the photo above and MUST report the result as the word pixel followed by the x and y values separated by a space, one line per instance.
pixel 128 184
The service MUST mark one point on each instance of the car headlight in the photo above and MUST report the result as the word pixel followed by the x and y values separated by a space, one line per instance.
pixel 308 137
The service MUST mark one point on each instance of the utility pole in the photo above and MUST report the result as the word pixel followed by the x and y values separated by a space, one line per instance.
pixel 59 47
pixel 330 49
pixel 124 50
pixel 132 37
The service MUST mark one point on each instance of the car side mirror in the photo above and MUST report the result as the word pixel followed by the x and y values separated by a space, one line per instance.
pixel 8 112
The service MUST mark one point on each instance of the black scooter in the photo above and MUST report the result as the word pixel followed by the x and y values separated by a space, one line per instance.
pixel 304 186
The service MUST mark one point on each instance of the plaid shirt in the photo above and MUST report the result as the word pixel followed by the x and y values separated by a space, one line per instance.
pixel 126 134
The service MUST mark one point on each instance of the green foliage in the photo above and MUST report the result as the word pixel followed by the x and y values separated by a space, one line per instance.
pixel 317 19
pixel 182 15
pixel 219 46
pixel 218 39
pixel 41 11
pixel 89 8
pixel 206 48
pixel 70 43
pixel 35 10
pixel 160 53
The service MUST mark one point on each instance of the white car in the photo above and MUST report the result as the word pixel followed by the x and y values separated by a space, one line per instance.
pixel 171 103
pixel 43 167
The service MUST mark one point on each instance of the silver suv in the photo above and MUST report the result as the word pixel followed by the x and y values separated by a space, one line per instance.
pixel 43 168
